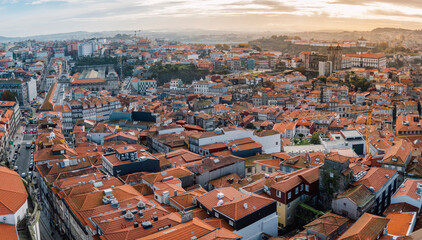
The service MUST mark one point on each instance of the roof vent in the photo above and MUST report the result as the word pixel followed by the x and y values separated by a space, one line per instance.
pixel 372 189
pixel 220 202
pixel 216 160
pixel 146 224
pixel 141 214
pixel 106 200
pixel 129 216
pixel 135 224
pixel 141 205
pixel 115 203
pixel 387 176
pixel 167 179
pixel 267 175
pixel 220 195
pixel 155 218
pixel 245 205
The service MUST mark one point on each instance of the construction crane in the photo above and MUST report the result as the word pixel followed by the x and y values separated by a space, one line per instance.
pixel 368 124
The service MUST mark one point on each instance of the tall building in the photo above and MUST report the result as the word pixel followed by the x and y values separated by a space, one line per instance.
pixel 16 86
pixel 335 56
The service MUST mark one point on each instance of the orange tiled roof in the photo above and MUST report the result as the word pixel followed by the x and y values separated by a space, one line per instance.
pixel 400 223
pixel 243 206
pixel 326 224
pixel 8 232
pixel 368 226
pixel 376 178
pixel 12 192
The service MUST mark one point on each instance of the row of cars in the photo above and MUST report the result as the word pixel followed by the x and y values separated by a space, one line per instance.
pixel 31 131
pixel 30 166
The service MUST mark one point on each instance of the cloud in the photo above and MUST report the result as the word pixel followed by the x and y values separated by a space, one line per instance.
pixel 32 17
pixel 412 3
pixel 395 14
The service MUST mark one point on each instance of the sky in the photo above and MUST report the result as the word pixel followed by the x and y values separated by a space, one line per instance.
pixel 37 17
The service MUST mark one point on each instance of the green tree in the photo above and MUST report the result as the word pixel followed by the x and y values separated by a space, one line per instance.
pixel 315 138
pixel 221 47
pixel 250 126
pixel 186 72
pixel 8 96
pixel 322 79
pixel 243 45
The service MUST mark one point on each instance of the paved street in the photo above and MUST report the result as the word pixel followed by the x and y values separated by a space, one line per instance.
pixel 45 228
pixel 24 154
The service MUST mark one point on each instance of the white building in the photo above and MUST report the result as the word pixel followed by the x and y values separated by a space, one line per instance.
pixel 409 192
pixel 32 89
pixel 143 85
pixel 202 86
pixel 369 60
pixel 13 204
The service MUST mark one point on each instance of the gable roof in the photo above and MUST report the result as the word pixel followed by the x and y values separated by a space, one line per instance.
pixel 368 226
pixel 326 224
pixel 360 195
pixel 376 178
pixel 243 206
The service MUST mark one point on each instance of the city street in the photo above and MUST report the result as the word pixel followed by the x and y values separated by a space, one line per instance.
pixel 24 154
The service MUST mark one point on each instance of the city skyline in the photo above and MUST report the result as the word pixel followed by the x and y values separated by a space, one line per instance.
pixel 38 17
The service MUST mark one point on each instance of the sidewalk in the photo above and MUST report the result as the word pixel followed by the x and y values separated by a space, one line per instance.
pixel 16 140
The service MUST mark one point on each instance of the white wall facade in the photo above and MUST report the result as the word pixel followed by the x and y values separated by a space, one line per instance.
pixel 268 225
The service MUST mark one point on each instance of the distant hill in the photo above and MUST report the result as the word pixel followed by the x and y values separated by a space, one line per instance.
pixel 189 36
pixel 377 35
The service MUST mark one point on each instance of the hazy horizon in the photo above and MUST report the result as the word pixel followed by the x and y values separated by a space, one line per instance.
pixel 23 18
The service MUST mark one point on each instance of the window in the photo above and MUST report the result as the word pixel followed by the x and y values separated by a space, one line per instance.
pixel 331 175
pixel 344 204
pixel 288 205
pixel 288 216
pixel 297 190
pixel 231 222
pixel 307 188
pixel 270 170
pixel 216 215
pixel 301 187
pixel 289 195
pixel 263 168
pixel 278 193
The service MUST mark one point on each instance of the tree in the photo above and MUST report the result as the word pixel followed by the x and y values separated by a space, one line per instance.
pixel 222 47
pixel 8 96
pixel 322 79
pixel 243 45
pixel 300 135
pixel 250 126
pixel 315 138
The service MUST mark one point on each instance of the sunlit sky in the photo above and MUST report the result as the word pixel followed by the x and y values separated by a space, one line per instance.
pixel 35 17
